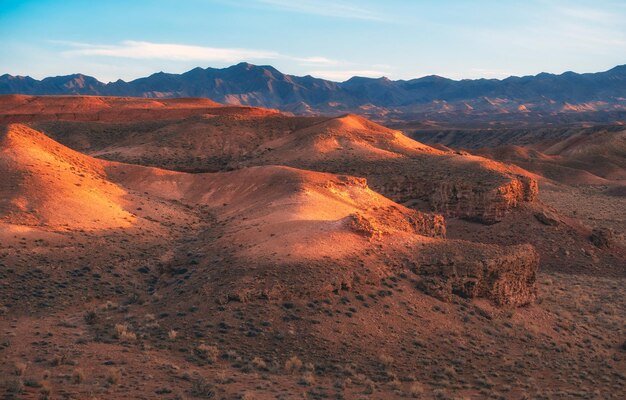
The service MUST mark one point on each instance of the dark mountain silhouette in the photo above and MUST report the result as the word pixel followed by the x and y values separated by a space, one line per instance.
pixel 429 97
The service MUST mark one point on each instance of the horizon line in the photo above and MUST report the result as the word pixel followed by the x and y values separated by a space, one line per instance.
pixel 312 76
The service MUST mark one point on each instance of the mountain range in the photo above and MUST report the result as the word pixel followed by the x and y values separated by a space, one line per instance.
pixel 427 98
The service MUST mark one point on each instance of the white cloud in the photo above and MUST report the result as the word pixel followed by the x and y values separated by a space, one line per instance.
pixel 167 51
pixel 328 8
pixel 142 50
pixel 315 61
pixel 343 75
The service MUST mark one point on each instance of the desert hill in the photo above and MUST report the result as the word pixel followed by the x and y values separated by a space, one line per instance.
pixel 44 183
pixel 20 108
pixel 451 183
pixel 279 214
pixel 585 155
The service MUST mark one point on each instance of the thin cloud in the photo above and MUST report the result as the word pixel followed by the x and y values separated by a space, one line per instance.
pixel 343 75
pixel 335 9
pixel 315 61
pixel 141 50
pixel 168 51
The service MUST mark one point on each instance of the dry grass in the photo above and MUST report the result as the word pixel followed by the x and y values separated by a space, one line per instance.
pixel 209 353
pixel 114 376
pixel 123 333
pixel 78 376
pixel 293 365
pixel 19 368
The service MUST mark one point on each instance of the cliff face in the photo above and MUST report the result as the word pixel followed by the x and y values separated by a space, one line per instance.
pixel 466 200
pixel 506 276
pixel 453 193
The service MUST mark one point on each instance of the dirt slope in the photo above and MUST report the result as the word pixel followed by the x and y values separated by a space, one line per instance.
pixel 44 183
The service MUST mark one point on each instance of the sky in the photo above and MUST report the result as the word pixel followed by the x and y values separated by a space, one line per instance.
pixel 335 40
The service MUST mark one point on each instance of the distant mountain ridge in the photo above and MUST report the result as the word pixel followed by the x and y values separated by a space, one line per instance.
pixel 421 98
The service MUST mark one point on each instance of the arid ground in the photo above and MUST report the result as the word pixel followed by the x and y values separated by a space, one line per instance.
pixel 181 249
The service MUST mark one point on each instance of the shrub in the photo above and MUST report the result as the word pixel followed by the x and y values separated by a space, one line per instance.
pixel 258 363
pixel 19 368
pixel 307 379
pixel 369 386
pixel 14 386
pixel 416 389
pixel 385 360
pixel 202 388
pixel 44 392
pixel 122 333
pixel 293 364
pixel 90 317
pixel 114 377
pixel 209 353
pixel 78 376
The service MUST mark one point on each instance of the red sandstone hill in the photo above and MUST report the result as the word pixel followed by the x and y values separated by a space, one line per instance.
pixel 44 183
pixel 223 138
pixel 20 108
pixel 277 214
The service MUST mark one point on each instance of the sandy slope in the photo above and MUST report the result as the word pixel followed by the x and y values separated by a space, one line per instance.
pixel 44 183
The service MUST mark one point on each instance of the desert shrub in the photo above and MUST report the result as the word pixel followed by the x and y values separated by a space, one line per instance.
pixel 122 333
pixel 14 386
pixel 78 376
pixel 19 368
pixel 202 388
pixel 258 363
pixel 385 360
pixel 45 390
pixel 209 353
pixel 395 384
pixel 369 386
pixel 90 317
pixel 416 389
pixel 293 364
pixel 114 377
pixel 61 359
pixel 172 334
pixel 307 379
pixel 248 396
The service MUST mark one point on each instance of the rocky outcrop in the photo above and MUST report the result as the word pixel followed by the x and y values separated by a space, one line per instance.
pixel 425 224
pixel 505 276
pixel 602 237
pixel 472 198
pixel 488 205
pixel 547 218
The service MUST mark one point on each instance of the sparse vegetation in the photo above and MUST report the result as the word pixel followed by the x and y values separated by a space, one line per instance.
pixel 209 353
pixel 202 388
pixel 78 376
pixel 114 376
pixel 123 333
pixel 293 365
pixel 14 386
pixel 19 368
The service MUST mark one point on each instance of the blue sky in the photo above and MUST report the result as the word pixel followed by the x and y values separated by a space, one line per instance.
pixel 330 39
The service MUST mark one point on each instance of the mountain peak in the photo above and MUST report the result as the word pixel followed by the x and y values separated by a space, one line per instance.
pixel 265 86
